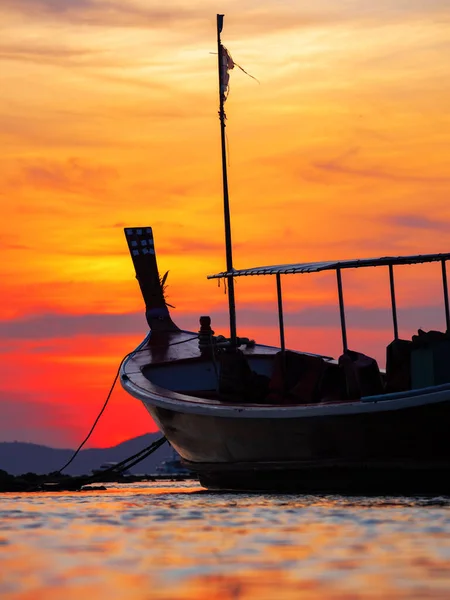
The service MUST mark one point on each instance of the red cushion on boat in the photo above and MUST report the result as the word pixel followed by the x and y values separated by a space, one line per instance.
pixel 398 366
pixel 295 378
pixel 362 375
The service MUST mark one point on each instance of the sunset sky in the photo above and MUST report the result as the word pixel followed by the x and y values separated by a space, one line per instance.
pixel 109 119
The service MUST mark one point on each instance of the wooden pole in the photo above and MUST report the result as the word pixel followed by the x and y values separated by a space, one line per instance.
pixel 444 283
pixel 226 202
pixel 393 303
pixel 342 309
pixel 280 313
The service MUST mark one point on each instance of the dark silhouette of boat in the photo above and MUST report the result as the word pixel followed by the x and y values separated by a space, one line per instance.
pixel 247 416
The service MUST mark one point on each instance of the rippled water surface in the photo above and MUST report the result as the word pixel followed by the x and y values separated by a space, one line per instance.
pixel 177 541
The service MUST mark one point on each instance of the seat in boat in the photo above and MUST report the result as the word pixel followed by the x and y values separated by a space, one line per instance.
pixel 362 375
pixel 421 362
pixel 398 366
pixel 296 378
pixel 237 381
pixel 430 359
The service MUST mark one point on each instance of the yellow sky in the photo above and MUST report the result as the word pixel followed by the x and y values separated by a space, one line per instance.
pixel 109 119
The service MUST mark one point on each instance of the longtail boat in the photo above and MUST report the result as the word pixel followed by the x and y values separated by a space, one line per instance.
pixel 248 416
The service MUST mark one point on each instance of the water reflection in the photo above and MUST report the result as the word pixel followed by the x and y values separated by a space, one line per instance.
pixel 179 542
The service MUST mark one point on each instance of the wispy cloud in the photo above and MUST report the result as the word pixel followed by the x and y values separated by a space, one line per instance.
pixel 327 316
pixel 103 12
pixel 154 16
pixel 260 17
pixel 6 244
pixel 191 245
pixel 72 175
pixel 56 130
pixel 340 166
pixel 47 54
pixel 51 326
pixel 413 221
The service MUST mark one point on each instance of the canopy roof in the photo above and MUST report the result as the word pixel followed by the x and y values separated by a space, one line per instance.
pixel 314 267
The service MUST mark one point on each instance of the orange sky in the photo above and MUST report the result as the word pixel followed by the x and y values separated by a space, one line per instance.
pixel 109 119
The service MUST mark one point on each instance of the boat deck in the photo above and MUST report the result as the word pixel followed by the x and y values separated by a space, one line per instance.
pixel 162 349
pixel 168 347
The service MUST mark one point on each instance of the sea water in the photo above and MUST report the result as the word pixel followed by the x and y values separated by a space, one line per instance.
pixel 177 541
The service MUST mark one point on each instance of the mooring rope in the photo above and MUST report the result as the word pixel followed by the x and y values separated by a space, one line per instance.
pixel 140 348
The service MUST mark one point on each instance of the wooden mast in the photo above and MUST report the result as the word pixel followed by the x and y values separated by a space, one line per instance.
pixel 222 57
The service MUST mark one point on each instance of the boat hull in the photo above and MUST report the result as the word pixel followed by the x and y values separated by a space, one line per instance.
pixel 351 479
pixel 396 451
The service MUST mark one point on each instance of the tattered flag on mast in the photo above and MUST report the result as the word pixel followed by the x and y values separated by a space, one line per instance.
pixel 227 64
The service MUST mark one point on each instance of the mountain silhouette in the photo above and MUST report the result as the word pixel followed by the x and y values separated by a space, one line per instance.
pixel 18 458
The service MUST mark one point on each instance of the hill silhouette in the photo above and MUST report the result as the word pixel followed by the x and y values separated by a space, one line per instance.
pixel 18 458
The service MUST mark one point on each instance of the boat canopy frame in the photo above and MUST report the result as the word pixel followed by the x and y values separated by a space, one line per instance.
pixel 338 266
